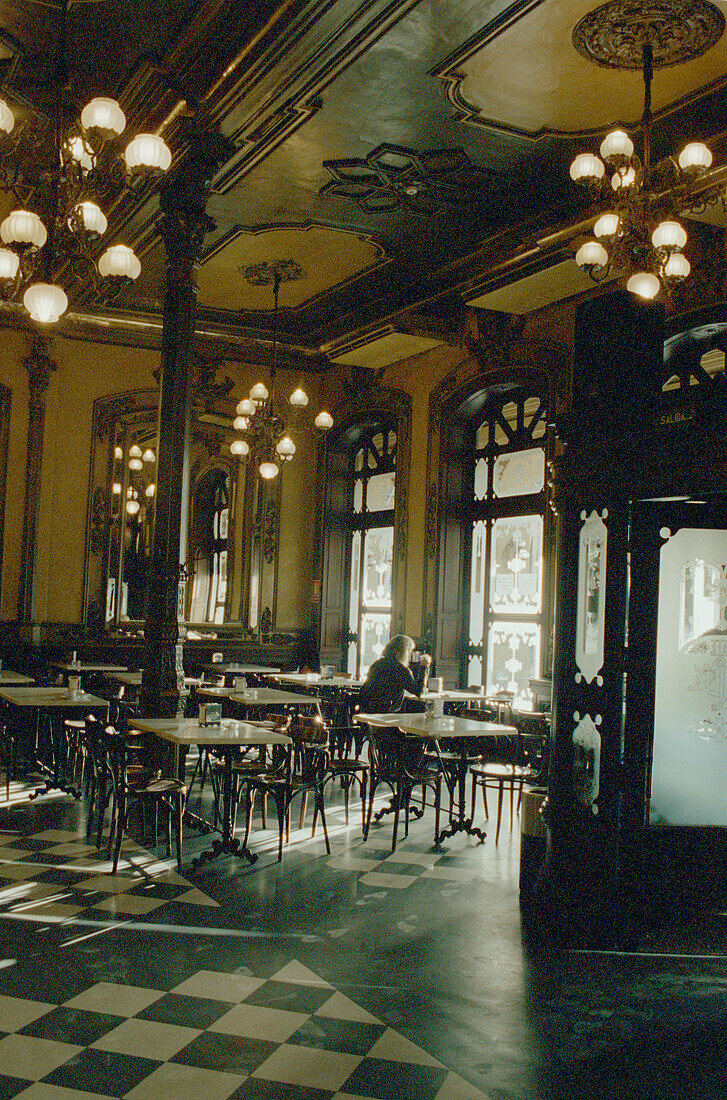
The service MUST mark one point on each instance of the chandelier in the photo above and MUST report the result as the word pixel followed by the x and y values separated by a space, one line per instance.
pixel 133 479
pixel 57 173
pixel 638 230
pixel 261 421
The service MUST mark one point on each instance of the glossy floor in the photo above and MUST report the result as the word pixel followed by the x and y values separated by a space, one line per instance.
pixel 359 974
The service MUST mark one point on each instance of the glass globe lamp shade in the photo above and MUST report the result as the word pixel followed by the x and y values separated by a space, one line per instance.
pixel 24 228
pixel 119 261
pixel 617 147
pixel 150 490
pixel 90 217
pixel 9 264
pixel 240 448
pixel 7 118
pixel 695 157
pixel 324 421
pixel 586 167
pixel 669 236
pixel 147 153
pixel 132 507
pixel 241 423
pixel 607 227
pixel 268 470
pixel 644 284
pixel 677 267
pixel 116 488
pixel 591 254
pixel 118 453
pixel 259 393
pixel 80 151
pixel 286 448
pixel 134 451
pixel 135 464
pixel 149 456
pixel 623 178
pixel 299 398
pixel 246 407
pixel 104 115
pixel 45 303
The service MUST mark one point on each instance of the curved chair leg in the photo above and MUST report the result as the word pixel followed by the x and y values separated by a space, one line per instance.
pixel 319 807
pixel 120 808
pixel 180 815
pixel 500 792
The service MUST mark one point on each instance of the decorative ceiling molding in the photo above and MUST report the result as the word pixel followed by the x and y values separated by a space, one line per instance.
pixel 329 257
pixel 455 71
pixel 677 30
pixel 393 177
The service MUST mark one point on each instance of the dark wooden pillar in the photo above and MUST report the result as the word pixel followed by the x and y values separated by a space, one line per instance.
pixel 183 227
pixel 39 367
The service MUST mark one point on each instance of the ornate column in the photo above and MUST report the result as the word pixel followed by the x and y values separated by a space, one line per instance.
pixel 183 227
pixel 39 366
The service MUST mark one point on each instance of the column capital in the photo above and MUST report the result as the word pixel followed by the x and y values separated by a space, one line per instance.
pixel 183 198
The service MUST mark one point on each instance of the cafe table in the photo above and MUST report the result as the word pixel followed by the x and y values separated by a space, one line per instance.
pixel 7 676
pixel 228 669
pixel 54 702
pixel 229 735
pixel 261 699
pixel 133 679
pixel 459 733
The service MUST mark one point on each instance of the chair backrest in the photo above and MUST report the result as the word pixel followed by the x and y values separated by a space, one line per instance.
pixel 385 752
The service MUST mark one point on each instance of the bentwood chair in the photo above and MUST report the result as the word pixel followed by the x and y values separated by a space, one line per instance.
pixel 510 762
pixel 398 763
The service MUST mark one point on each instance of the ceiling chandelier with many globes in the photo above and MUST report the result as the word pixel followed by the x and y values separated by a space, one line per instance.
pixel 57 172
pixel 264 426
pixel 638 231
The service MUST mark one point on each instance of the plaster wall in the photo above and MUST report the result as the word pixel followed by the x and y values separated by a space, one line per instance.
pixel 14 347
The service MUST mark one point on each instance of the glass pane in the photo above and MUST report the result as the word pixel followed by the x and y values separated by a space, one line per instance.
pixel 351 658
pixel 359 460
pixel 519 473
pixel 357 496
pixel 690 729
pixel 591 606
pixel 215 525
pixel 377 449
pixel 480 479
pixel 513 656
pixel 474 672
pixel 374 636
pixel 477 583
pixel 378 557
pixel 214 581
pixel 353 588
pixel 516 565
pixel 224 519
pixel 699 599
pixel 483 435
pixel 380 492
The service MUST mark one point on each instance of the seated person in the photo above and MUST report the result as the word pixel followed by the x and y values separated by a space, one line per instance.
pixel 389 678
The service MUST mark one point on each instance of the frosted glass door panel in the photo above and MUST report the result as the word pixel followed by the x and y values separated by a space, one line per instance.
pixel 689 771
pixel 513 657
pixel 378 557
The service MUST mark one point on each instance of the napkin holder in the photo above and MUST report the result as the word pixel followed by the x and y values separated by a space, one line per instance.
pixel 74 685
pixel 210 714
pixel 240 683
pixel 217 658
pixel 435 684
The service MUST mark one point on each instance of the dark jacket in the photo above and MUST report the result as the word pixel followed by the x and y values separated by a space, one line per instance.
pixel 387 680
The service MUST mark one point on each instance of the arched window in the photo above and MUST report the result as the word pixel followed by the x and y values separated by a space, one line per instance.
pixel 210 525
pixel 371 522
pixel 506 565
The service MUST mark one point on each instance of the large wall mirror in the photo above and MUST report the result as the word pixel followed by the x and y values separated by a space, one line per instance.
pixel 228 557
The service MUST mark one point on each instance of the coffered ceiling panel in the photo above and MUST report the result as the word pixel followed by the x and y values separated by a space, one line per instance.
pixel 523 75
pixel 319 258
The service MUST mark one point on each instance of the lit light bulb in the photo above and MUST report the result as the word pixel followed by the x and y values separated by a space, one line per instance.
pixel 259 393
pixel 88 216
pixel 324 421
pixel 80 151
pixel 241 423
pixel 7 118
pixel 9 264
pixel 118 453
pixel 135 464
pixel 148 153
pixel 246 407
pixel 104 115
pixel 670 236
pixel 149 491
pixel 286 448
pixel 616 147
pixel 299 398
pixel 119 260
pixel 134 451
pixel 677 267
pixel 644 284
pixel 23 227
pixel 586 167
pixel 116 488
pixel 45 303
pixel 625 177
pixel 132 507
pixel 268 470
pixel 592 254
pixel 240 448
pixel 695 158
pixel 148 455
pixel 607 226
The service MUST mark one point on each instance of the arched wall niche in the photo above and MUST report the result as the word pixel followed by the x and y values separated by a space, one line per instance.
pixel 502 365
pixel 370 405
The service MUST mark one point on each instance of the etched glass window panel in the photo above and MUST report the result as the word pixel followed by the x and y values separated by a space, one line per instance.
pixel 375 629
pixel 357 496
pixel 380 492
pixel 520 473
pixel 480 479
pixel 516 565
pixel 378 558
pixel 376 450
pixel 358 461
pixel 700 599
pixel 513 656
pixel 477 584
pixel 351 656
pixel 591 604
pixel 474 672
pixel 689 768
pixel 353 587
pixel 482 438
pixel 224 522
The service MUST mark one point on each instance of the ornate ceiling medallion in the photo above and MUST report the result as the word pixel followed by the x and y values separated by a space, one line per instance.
pixel 285 271
pixel 614 35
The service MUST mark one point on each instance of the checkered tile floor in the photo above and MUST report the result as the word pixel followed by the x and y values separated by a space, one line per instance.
pixel 378 866
pixel 56 874
pixel 288 1037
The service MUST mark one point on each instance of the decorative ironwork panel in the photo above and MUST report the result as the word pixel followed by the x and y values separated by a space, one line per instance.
pixel 591 603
